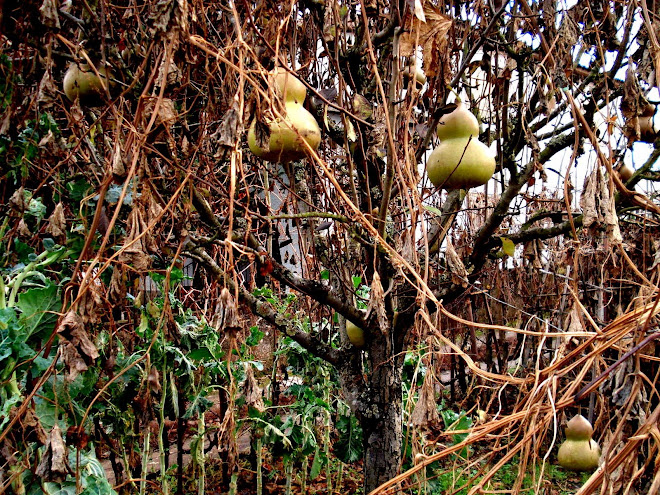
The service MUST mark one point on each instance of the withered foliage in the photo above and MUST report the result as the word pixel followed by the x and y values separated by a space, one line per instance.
pixel 534 297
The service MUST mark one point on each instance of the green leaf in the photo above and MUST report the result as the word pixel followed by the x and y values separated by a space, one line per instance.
pixel 114 193
pixel 508 246
pixel 22 250
pixel 78 190
pixel 270 429
pixel 255 337
pixel 59 488
pixel 97 486
pixel 433 209
pixel 348 448
pixel 49 244
pixel 202 354
pixel 454 421
pixel 317 464
pixel 198 405
pixel 36 208
pixel 38 307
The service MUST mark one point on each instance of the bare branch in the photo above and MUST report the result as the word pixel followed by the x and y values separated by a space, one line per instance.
pixel 263 309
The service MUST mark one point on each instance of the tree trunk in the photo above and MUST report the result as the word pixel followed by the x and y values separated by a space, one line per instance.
pixel 381 419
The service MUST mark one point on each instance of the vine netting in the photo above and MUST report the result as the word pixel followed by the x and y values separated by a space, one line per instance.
pixel 173 308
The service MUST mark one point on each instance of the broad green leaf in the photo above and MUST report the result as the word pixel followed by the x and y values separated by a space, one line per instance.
pixel 317 464
pixel 348 448
pixel 199 405
pixel 78 190
pixel 59 488
pixel 201 354
pixel 38 307
pixel 6 406
pixel 36 208
pixel 9 326
pixel 114 193
pixel 270 428
pixel 97 486
pixel 255 337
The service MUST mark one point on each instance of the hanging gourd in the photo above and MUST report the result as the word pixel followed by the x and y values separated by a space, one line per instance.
pixel 579 452
pixel 81 82
pixel 355 334
pixel 460 161
pixel 288 134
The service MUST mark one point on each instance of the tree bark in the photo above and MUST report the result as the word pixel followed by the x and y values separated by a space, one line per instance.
pixel 381 417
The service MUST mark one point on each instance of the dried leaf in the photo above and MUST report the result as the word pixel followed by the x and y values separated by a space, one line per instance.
pixel 118 167
pixel 425 413
pixel 459 274
pixel 77 349
pixel 432 38
pixel 135 249
pixel 633 105
pixel 160 15
pixel 167 114
pixel 573 322
pixel 377 303
pixel 53 465
pixel 567 37
pixel 57 222
pixel 153 380
pixel 73 361
pixel 598 206
pixel 253 394
pixel 77 437
pixel 48 14
pixel 19 201
pixel 30 426
pixel 228 133
pixel 23 229
pixel 656 256
pixel 226 313
pixel 153 212
pixel 47 94
pixel 91 307
pixel 612 224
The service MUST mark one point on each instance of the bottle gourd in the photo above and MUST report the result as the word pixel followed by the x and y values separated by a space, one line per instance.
pixel 460 161
pixel 355 334
pixel 81 82
pixel 287 134
pixel 579 452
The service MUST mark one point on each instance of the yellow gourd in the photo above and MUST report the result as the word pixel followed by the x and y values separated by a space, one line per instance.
pixel 460 161
pixel 287 134
pixel 579 452
pixel 355 334
pixel 414 71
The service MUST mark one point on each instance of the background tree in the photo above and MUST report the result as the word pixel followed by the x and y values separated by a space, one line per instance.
pixel 153 175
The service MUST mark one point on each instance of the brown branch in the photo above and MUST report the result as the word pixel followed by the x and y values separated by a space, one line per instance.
pixel 482 242
pixel 267 312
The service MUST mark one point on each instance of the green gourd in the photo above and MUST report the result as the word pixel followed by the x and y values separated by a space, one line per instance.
pixel 81 82
pixel 579 452
pixel 288 133
pixel 460 161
